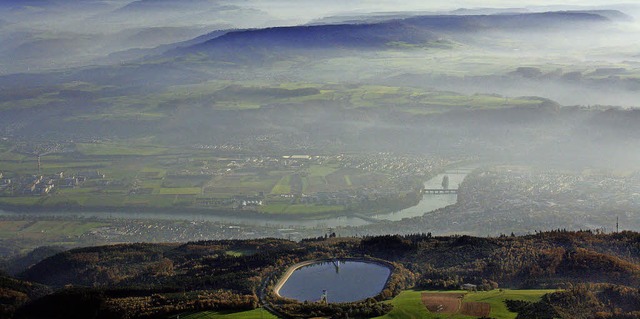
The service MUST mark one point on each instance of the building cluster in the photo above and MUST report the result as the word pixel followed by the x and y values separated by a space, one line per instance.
pixel 400 175
pixel 584 200
pixel 154 230
pixel 39 185
pixel 397 165
pixel 508 188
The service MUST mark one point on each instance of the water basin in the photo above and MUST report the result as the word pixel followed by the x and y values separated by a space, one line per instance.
pixel 338 281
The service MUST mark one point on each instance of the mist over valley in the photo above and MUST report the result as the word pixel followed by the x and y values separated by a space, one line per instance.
pixel 170 159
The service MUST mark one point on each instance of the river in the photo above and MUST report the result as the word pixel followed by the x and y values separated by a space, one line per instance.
pixel 428 203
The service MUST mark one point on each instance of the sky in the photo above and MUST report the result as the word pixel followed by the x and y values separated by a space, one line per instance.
pixel 306 9
pixel 490 3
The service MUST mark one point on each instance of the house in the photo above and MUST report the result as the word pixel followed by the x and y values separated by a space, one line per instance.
pixel 58 175
pixel 468 287
pixel 92 175
pixel 243 201
pixel 69 182
pixel 251 203
pixel 42 189
pixel 29 189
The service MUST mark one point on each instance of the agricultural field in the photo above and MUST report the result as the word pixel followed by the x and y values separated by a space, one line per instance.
pixel 46 229
pixel 109 149
pixel 301 209
pixel 407 99
pixel 21 236
pixel 104 175
pixel 458 304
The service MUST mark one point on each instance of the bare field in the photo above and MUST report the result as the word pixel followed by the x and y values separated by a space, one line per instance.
pixel 451 303
pixel 442 302
pixel 476 309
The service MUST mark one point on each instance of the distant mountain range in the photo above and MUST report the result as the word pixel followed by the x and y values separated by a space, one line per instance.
pixel 413 31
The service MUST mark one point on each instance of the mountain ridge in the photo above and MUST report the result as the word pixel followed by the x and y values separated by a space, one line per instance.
pixel 413 31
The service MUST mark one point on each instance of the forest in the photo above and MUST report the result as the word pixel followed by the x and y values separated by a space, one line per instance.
pixel 593 272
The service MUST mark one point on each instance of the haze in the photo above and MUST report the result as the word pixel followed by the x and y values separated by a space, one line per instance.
pixel 332 115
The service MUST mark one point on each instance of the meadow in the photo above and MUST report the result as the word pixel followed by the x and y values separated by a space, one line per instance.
pixel 408 304
pixel 251 314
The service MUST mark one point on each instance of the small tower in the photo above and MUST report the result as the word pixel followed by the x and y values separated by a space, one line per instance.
pixel 336 264
pixel 38 164
pixel 445 182
pixel 617 225
pixel 323 298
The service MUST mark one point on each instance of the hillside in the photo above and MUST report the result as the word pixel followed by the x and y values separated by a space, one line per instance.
pixel 412 32
pixel 141 280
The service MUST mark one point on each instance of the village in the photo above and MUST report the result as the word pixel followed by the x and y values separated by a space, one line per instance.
pixel 277 184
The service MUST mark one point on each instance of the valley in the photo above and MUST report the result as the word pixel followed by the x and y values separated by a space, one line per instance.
pixel 174 159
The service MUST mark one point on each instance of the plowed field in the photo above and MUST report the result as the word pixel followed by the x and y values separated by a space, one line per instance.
pixel 451 303
pixel 442 302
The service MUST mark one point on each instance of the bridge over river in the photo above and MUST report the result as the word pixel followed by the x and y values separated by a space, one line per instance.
pixel 438 191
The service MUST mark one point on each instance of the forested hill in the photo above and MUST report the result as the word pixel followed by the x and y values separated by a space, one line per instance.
pixel 414 31
pixel 141 280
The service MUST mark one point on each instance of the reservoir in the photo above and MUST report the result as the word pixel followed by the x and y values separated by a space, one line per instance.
pixel 338 281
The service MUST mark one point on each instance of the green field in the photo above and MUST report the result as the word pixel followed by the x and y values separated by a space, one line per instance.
pixel 117 149
pixel 283 186
pixel 408 304
pixel 251 314
pixel 238 253
pixel 181 191
pixel 46 229
pixel 299 209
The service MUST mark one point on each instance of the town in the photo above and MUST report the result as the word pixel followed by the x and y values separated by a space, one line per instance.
pixel 100 175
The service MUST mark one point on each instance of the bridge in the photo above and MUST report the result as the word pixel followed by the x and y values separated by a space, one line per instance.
pixel 437 191
pixel 366 218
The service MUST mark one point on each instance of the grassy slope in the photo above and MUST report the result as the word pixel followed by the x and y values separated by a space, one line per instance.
pixel 408 304
pixel 251 314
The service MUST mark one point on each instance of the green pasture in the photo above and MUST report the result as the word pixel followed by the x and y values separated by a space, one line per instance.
pixel 250 314
pixel 496 299
pixel 347 180
pixel 13 157
pixel 240 252
pixel 46 229
pixel 21 200
pixel 4 146
pixel 283 186
pixel 321 170
pixel 25 165
pixel 181 191
pixel 38 101
pixel 124 115
pixel 107 149
pixel 195 181
pixel 408 304
pixel 250 95
pixel 299 209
